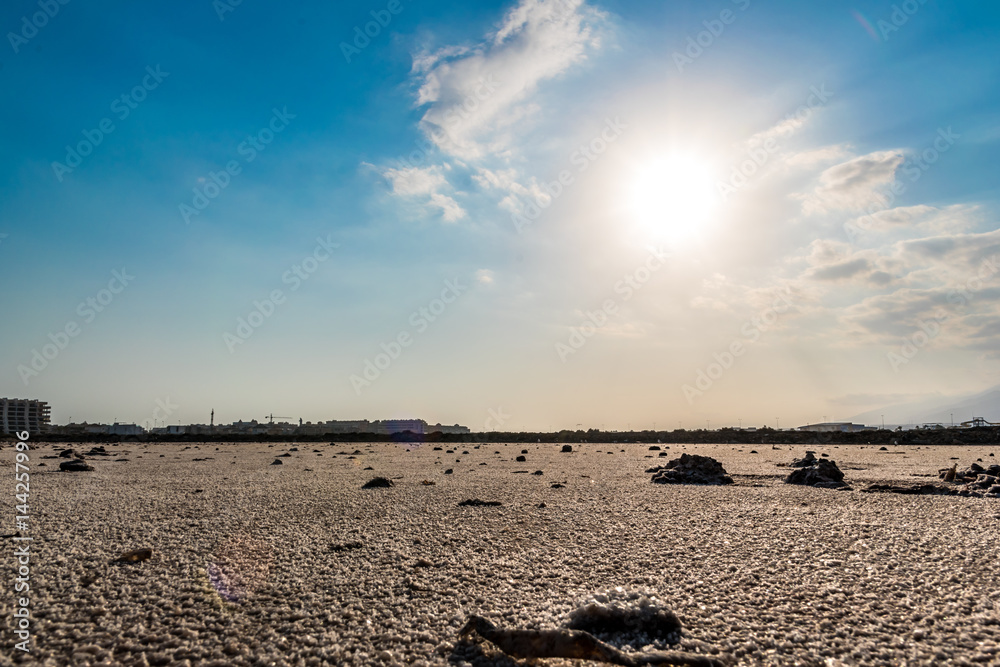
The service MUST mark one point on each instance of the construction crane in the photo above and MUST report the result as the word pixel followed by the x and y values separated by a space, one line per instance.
pixel 271 417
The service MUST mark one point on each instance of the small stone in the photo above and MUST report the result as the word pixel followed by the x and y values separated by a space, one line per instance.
pixel 275 462
pixel 569 448
pixel 538 472
pixel 521 459
pixel 448 471
pixel 378 483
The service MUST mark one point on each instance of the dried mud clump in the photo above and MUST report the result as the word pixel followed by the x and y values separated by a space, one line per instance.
pixel 476 502
pixel 627 617
pixel 691 469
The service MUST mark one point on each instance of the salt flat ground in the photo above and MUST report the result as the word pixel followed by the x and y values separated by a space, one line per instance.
pixel 321 571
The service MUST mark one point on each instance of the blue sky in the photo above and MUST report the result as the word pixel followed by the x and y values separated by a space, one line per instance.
pixel 617 214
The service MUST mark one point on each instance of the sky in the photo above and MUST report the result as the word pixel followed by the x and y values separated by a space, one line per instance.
pixel 528 215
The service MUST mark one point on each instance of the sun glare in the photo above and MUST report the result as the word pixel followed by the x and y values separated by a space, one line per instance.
pixel 673 195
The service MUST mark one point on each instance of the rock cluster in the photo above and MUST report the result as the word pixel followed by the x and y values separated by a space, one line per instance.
pixel 691 469
pixel 975 481
pixel 821 473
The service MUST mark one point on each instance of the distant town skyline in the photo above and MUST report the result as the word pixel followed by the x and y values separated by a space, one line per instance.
pixel 529 214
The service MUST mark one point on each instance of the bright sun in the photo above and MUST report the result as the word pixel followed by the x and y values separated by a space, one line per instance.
pixel 674 195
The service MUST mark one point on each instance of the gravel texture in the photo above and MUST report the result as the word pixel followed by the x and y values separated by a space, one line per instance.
pixel 254 564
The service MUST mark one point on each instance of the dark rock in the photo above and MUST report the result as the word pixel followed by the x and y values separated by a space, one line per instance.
pixel 823 474
pixel 524 451
pixel 663 455
pixel 691 469
pixel 883 449
pixel 654 448
pixel 378 483
pixel 541 505
pixel 476 502
pixel 368 468
pixel 285 455
pixel 346 546
pixel 566 449
pixel 538 472
pixel 448 471
pixel 70 454
pixel 557 485
pixel 521 459
pixel 275 462
pixel 753 451
pixel 77 465
pixel 437 449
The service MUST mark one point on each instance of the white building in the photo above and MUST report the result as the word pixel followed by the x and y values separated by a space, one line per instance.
pixel 18 414
pixel 835 427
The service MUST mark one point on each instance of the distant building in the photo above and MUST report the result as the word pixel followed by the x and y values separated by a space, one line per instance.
pixel 392 426
pixel 835 427
pixel 17 414
pixel 344 426
pixel 444 430
pixel 125 429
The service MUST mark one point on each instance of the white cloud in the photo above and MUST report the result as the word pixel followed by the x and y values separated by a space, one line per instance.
pixel 478 96
pixel 416 182
pixel 817 156
pixel 476 92
pixel 921 218
pixel 853 185
pixel 450 210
